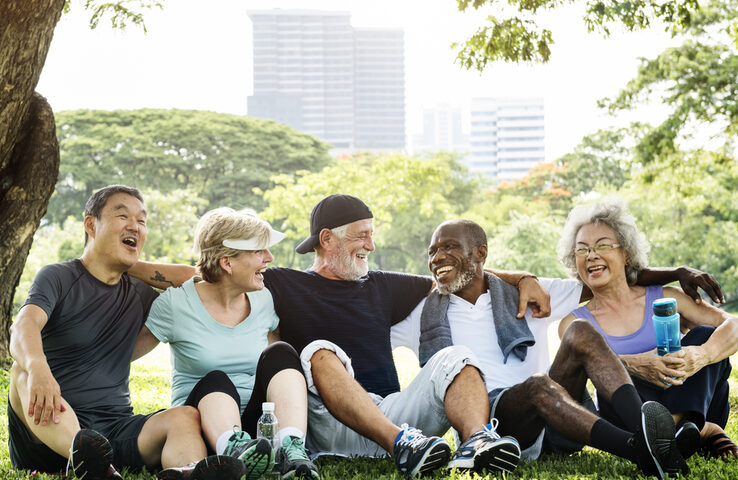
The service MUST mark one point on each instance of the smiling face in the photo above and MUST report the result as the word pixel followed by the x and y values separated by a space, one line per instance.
pixel 599 269
pixel 347 258
pixel 247 268
pixel 119 234
pixel 452 259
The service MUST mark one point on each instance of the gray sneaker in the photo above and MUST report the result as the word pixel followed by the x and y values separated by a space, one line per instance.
pixel 293 460
pixel 256 455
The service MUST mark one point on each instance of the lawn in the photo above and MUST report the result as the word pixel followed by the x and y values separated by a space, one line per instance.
pixel 150 391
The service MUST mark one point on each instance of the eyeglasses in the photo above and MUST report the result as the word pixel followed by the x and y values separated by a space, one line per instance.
pixel 599 248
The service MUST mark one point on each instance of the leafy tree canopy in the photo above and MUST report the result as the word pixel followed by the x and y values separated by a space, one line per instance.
pixel 409 197
pixel 697 81
pixel 222 157
pixel 518 38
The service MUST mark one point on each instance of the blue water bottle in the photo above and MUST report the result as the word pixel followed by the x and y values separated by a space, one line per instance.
pixel 666 325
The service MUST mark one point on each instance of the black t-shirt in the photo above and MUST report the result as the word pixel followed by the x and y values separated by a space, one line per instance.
pixel 90 334
pixel 355 315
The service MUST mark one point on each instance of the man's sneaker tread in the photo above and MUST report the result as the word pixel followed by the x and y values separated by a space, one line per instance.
pixel 415 454
pixel 486 450
pixel 91 456
pixel 655 442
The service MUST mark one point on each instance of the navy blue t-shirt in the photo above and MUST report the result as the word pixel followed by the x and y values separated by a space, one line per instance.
pixel 355 315
pixel 89 337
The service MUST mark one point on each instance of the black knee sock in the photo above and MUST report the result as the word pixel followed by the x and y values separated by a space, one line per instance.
pixel 627 404
pixel 607 437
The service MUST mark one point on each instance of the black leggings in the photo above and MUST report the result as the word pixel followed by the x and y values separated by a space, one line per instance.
pixel 275 358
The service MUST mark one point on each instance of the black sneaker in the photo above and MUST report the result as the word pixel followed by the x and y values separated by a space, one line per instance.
pixel 214 467
pixel 91 457
pixel 293 460
pixel 656 448
pixel 688 439
pixel 257 455
pixel 414 453
pixel 486 450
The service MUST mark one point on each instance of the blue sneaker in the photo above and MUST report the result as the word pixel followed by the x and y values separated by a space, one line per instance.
pixel 293 460
pixel 415 454
pixel 486 450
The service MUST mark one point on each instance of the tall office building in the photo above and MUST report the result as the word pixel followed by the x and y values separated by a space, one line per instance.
pixel 442 130
pixel 316 73
pixel 507 136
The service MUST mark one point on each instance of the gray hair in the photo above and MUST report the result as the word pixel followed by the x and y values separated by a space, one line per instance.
pixel 612 212
pixel 338 232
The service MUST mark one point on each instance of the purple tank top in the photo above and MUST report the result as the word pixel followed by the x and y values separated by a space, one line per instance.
pixel 642 340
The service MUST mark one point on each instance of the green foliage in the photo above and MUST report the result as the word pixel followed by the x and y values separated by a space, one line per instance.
pixel 686 206
pixel 120 13
pixel 697 80
pixel 408 196
pixel 222 157
pixel 518 38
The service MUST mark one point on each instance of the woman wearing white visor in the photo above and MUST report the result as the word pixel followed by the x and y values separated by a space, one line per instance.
pixel 226 357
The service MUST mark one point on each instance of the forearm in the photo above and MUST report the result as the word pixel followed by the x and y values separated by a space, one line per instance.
pixel 26 347
pixel 723 342
pixel 162 275
pixel 658 276
pixel 513 277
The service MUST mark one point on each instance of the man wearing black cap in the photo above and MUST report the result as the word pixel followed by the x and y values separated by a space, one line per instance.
pixel 339 315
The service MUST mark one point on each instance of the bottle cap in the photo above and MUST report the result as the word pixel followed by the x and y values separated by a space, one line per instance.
pixel 664 307
pixel 267 407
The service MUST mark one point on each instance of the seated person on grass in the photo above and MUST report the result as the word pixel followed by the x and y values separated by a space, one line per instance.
pixel 338 314
pixel 541 410
pixel 604 249
pixel 226 360
pixel 69 402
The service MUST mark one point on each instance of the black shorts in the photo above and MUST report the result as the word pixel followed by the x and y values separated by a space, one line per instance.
pixel 122 432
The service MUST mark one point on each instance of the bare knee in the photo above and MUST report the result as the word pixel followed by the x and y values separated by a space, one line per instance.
pixel 582 337
pixel 323 357
pixel 184 416
pixel 540 388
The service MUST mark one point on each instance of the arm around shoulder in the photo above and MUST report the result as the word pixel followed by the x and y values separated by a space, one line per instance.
pixel 162 275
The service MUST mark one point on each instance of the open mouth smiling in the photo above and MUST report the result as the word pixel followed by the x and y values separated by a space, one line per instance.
pixel 130 241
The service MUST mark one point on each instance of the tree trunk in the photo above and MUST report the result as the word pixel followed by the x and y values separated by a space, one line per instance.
pixel 29 152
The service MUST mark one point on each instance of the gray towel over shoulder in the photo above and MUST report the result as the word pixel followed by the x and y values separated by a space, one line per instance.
pixel 513 334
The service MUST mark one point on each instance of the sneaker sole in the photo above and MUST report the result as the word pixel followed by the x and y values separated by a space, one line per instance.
pixel 655 417
pixel 86 445
pixel 435 457
pixel 218 467
pixel 503 455
pixel 302 471
pixel 258 460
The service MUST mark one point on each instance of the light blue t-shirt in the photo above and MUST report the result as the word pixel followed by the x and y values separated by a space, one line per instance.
pixel 200 345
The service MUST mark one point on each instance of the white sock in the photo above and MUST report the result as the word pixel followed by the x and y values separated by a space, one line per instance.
pixel 287 431
pixel 222 442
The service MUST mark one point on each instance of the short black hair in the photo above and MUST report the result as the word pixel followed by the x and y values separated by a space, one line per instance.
pixel 97 200
pixel 472 231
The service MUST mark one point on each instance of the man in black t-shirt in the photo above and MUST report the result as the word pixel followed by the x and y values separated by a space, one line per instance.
pixel 73 341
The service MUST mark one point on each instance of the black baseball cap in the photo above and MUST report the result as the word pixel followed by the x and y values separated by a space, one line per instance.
pixel 331 212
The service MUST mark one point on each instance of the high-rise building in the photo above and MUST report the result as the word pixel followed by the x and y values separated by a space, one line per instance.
pixel 507 136
pixel 316 73
pixel 442 130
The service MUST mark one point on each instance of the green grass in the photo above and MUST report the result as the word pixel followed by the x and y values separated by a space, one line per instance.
pixel 150 391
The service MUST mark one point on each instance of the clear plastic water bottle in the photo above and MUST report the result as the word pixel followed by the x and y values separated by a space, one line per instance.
pixel 267 427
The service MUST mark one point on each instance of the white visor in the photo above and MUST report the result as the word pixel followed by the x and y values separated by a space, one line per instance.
pixel 253 243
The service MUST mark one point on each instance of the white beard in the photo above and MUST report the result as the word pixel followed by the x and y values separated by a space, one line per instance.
pixel 347 267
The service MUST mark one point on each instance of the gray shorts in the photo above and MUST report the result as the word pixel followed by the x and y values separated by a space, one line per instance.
pixel 420 405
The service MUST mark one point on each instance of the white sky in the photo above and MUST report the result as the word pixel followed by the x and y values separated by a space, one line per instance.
pixel 197 55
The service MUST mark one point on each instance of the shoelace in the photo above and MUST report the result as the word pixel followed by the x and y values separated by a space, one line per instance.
pixel 241 438
pixel 295 449
pixel 491 429
pixel 411 436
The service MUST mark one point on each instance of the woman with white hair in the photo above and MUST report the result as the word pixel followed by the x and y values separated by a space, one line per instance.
pixel 226 357
pixel 603 248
